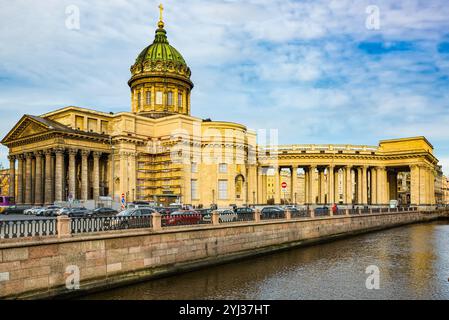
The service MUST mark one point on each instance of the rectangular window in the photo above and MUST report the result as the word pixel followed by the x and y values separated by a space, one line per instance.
pixel 159 97
pixel 169 98
pixel 79 123
pixel 148 98
pixel 222 189
pixel 92 124
pixel 194 188
pixel 139 100
pixel 223 168
pixel 194 167
pixel 179 100
pixel 104 126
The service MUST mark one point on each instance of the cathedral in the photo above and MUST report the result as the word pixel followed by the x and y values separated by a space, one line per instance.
pixel 159 152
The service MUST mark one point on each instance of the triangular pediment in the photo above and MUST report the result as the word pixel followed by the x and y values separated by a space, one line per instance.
pixel 25 127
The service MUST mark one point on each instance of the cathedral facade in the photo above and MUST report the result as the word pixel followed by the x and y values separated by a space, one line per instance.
pixel 159 152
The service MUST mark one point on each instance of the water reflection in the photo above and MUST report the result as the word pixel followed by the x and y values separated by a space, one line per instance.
pixel 413 263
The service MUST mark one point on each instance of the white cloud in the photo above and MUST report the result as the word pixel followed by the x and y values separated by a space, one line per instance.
pixel 282 64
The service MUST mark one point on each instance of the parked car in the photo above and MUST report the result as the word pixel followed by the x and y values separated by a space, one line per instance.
pixel 204 212
pixel 48 211
pixel 224 215
pixel 103 211
pixel 78 212
pixel 244 210
pixel 131 218
pixel 63 211
pixel 184 217
pixel 322 211
pixel 272 212
pixel 31 211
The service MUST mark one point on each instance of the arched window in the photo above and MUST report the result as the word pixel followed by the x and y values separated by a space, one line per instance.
pixel 239 180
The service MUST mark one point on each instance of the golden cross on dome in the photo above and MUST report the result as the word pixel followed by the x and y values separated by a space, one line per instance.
pixel 161 9
pixel 161 23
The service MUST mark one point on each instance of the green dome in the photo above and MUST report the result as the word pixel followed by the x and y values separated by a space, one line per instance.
pixel 160 50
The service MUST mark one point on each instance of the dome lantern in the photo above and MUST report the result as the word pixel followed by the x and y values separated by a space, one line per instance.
pixel 160 78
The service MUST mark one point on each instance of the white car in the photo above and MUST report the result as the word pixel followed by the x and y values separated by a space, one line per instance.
pixel 32 211
pixel 225 215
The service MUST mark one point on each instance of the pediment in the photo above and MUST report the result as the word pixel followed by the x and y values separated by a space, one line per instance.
pixel 26 127
pixel 31 129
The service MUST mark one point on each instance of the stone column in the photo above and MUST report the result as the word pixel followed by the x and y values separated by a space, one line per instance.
pixel 432 199
pixel 373 186
pixel 306 186
pixel 84 175
pixel 259 185
pixel 337 186
pixel 359 186
pixel 294 184
pixel 364 185
pixel 33 178
pixel 72 172
pixel 348 185
pixel 12 176
pixel 38 199
pixel 277 185
pixel 330 184
pixel 414 185
pixel 48 177
pixel 58 173
pixel 19 197
pixel 381 185
pixel 123 175
pixel 321 192
pixel 28 179
pixel 313 175
pixel 96 175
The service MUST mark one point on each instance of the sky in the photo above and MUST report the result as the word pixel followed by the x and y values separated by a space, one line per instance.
pixel 349 72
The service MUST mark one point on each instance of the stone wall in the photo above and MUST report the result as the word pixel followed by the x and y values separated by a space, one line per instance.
pixel 38 268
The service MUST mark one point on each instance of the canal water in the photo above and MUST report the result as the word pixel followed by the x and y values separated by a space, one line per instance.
pixel 413 263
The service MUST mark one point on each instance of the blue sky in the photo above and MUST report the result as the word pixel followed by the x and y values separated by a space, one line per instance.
pixel 312 69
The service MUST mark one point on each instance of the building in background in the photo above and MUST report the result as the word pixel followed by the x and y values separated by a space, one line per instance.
pixel 4 181
pixel 159 152
pixel 439 191
pixel 445 187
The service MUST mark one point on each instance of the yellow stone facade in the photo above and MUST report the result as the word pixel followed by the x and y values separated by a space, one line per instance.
pixel 160 152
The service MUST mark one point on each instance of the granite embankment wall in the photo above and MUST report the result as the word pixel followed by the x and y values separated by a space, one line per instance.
pixel 40 268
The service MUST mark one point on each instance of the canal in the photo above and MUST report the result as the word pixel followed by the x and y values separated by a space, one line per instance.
pixel 413 262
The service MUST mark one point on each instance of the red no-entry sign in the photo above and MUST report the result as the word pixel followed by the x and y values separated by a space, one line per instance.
pixel 284 185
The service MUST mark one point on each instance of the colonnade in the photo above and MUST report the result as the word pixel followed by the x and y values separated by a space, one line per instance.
pixel 57 174
pixel 349 184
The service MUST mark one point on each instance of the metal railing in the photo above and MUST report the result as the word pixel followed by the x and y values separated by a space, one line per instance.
pixel 303 213
pixel 272 215
pixel 321 212
pixel 23 228
pixel 245 217
pixel 340 212
pixel 98 224
pixel 10 229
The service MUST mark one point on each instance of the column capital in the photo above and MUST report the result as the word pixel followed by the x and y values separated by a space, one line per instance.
pixel 20 157
pixel 85 153
pixel 59 150
pixel 72 151
pixel 12 157
pixel 38 154
pixel 29 155
pixel 97 154
pixel 48 152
